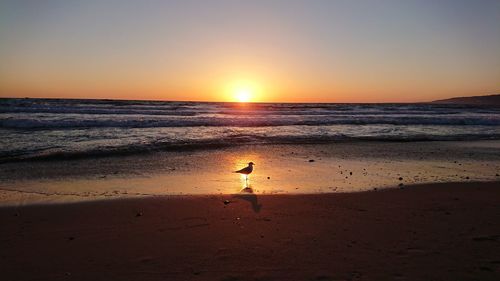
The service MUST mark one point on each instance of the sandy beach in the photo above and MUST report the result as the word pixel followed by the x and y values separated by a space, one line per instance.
pixel 280 169
pixel 338 211
pixel 430 232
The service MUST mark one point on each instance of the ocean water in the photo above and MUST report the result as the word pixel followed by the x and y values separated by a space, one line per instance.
pixel 62 128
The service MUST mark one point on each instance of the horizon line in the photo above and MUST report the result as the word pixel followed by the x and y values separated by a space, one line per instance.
pixel 250 102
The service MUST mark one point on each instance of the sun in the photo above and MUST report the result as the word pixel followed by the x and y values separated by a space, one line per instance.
pixel 242 91
pixel 243 95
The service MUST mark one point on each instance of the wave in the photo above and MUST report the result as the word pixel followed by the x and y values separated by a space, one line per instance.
pixel 103 107
pixel 36 129
pixel 75 123
pixel 228 141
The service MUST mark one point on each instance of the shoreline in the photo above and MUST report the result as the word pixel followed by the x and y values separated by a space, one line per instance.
pixel 435 231
pixel 280 169
pixel 210 147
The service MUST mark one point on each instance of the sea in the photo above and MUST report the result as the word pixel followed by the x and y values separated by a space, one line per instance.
pixel 32 129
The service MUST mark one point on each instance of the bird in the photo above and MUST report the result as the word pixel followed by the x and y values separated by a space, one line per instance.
pixel 246 171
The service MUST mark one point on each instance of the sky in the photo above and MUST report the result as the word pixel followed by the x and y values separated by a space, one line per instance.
pixel 265 51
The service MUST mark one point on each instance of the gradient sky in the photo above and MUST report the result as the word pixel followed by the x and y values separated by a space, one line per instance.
pixel 312 51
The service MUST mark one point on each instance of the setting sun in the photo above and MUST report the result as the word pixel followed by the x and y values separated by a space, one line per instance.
pixel 243 95
pixel 243 91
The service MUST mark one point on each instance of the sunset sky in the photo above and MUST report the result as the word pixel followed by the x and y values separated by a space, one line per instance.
pixel 276 51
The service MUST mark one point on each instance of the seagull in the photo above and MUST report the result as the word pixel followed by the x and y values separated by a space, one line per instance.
pixel 246 171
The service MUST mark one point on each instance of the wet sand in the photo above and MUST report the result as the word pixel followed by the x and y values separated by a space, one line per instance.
pixel 280 169
pixel 447 231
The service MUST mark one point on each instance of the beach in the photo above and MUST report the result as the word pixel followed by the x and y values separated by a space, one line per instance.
pixel 336 211
pixel 430 232
pixel 144 190
pixel 280 169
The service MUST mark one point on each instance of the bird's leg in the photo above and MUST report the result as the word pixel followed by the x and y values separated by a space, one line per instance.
pixel 246 181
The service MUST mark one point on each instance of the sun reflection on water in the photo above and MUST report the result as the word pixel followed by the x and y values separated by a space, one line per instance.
pixel 245 181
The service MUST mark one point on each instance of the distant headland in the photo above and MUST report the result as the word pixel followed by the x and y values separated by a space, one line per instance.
pixel 476 100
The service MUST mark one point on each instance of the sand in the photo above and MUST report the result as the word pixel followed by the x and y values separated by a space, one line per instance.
pixel 447 231
pixel 280 169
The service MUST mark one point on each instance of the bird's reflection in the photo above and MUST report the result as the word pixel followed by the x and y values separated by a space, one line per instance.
pixel 245 183
pixel 248 195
